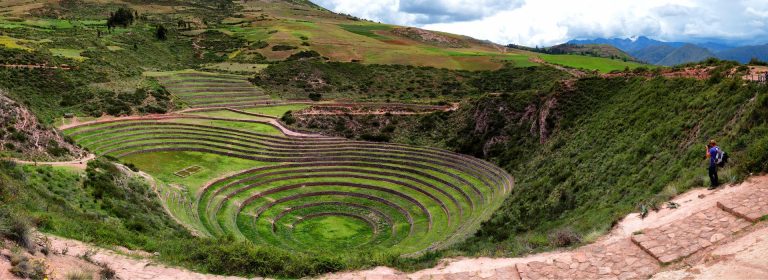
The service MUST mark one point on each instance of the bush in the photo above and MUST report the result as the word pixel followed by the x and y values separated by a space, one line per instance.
pixel 259 45
pixel 375 138
pixel 106 272
pixel 563 238
pixel 16 227
pixel 757 62
pixel 304 55
pixel 123 17
pixel 315 96
pixel 161 33
pixel 288 118
pixel 23 267
pixel 278 48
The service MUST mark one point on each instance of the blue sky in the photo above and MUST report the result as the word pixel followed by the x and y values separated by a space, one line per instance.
pixel 548 22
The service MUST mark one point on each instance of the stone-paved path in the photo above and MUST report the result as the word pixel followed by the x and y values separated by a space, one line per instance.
pixel 619 260
pixel 673 241
pixel 751 206
pixel 637 256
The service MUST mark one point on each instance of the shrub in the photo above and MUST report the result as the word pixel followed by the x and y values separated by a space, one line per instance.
pixel 757 62
pixel 315 96
pixel 123 17
pixel 288 118
pixel 106 272
pixel 563 238
pixel 259 44
pixel 16 227
pixel 79 275
pixel 375 138
pixel 23 267
pixel 161 33
pixel 278 48
pixel 304 55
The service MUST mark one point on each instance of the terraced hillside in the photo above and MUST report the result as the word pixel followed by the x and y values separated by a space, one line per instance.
pixel 207 90
pixel 240 176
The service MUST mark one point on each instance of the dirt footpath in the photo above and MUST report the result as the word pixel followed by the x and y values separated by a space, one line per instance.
pixel 70 257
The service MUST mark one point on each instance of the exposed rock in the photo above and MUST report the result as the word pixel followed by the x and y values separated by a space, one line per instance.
pixel 22 136
pixel 430 37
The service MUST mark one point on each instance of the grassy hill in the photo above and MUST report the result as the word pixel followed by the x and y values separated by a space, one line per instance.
pixel 255 32
pixel 685 54
pixel 584 154
pixel 598 50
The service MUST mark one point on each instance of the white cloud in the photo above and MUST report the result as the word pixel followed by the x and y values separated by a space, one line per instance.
pixel 548 22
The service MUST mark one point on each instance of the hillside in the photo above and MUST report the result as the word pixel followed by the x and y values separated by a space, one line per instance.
pixel 745 54
pixel 598 50
pixel 653 54
pixel 577 171
pixel 629 45
pixel 674 53
pixel 685 54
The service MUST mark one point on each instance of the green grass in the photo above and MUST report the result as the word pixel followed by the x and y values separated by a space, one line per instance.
pixel 115 48
pixel 334 233
pixel 276 111
pixel 367 30
pixel 520 60
pixel 12 43
pixel 229 114
pixel 236 67
pixel 69 53
pixel 603 65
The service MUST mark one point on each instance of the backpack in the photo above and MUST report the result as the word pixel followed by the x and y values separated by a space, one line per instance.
pixel 721 158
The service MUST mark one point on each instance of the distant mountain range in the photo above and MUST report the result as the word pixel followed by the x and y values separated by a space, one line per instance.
pixel 673 53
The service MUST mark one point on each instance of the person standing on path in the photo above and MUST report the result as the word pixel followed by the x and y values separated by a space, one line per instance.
pixel 712 153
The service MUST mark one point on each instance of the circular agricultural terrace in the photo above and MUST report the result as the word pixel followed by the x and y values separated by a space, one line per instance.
pixel 311 194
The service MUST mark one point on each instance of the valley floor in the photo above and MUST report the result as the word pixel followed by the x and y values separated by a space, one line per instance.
pixel 717 234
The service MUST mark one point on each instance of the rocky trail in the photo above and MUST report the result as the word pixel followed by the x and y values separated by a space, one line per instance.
pixel 81 163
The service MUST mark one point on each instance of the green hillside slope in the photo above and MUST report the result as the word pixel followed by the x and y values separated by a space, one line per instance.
pixel 686 54
pixel 587 154
pixel 249 32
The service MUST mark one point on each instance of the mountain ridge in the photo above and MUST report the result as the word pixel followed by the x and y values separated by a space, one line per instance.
pixel 656 52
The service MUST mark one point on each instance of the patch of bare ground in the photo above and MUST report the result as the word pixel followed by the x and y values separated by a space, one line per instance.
pixel 67 257
pixel 429 37
pixel 757 74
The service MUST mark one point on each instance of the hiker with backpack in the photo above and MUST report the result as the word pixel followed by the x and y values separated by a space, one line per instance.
pixel 717 158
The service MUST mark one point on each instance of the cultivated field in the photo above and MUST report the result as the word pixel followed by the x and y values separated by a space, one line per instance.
pixel 207 90
pixel 224 173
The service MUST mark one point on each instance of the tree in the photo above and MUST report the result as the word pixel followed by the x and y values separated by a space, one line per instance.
pixel 757 62
pixel 123 17
pixel 161 33
pixel 315 96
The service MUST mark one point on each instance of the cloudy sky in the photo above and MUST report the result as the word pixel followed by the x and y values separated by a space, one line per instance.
pixel 548 22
